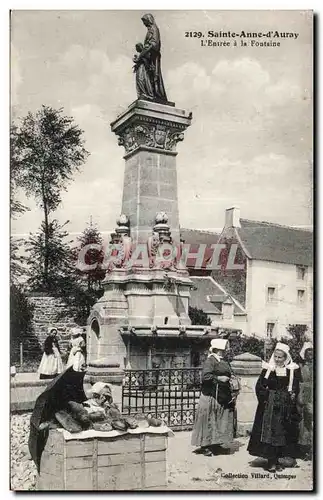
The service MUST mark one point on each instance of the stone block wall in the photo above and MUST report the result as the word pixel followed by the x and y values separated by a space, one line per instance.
pixel 50 311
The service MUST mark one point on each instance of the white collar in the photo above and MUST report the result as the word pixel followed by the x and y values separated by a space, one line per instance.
pixel 216 356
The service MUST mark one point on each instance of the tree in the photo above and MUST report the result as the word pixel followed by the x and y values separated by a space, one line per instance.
pixel 21 314
pixel 48 151
pixel 16 209
pixel 82 288
pixel 92 257
pixel 198 316
pixel 56 251
pixel 299 334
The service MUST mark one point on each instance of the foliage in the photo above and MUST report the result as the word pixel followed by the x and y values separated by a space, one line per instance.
pixel 198 316
pixel 17 261
pixel 299 335
pixel 47 150
pixel 82 288
pixel 92 257
pixel 57 252
pixel 16 208
pixel 63 280
pixel 264 347
pixel 253 345
pixel 21 314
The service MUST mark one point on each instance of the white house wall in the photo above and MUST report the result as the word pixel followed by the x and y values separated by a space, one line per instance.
pixel 284 310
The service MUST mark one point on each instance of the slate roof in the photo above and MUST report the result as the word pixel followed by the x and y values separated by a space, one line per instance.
pixel 275 243
pixel 208 294
pixel 264 241
pixel 197 236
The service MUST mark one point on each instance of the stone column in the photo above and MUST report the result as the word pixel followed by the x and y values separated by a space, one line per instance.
pixel 248 367
pixel 149 133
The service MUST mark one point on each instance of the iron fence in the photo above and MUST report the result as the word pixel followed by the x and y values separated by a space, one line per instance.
pixel 170 395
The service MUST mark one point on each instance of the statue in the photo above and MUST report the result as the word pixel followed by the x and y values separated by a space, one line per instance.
pixel 149 80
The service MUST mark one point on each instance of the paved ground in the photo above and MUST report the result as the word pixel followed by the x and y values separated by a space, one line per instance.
pixel 189 471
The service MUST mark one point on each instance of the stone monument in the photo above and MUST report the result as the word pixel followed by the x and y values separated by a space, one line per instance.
pixel 145 298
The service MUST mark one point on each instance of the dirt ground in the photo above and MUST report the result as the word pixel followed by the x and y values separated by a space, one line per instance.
pixel 186 470
pixel 190 471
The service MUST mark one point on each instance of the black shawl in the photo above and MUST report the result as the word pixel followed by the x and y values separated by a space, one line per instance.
pixel 68 386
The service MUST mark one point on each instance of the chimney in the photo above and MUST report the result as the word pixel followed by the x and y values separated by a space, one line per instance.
pixel 232 217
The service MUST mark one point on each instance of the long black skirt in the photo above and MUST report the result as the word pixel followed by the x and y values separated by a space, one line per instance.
pixel 272 435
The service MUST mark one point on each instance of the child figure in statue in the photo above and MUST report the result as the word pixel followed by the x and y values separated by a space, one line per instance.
pixel 142 68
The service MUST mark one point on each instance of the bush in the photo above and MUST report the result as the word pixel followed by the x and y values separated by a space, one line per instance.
pixel 21 314
pixel 299 334
pixel 242 344
pixel 198 317
pixel 264 347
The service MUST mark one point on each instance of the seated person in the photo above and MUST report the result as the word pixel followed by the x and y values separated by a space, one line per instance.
pixel 64 402
pixel 101 407
pixel 99 413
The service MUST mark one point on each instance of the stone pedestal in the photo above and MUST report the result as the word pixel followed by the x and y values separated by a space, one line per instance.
pixel 248 367
pixel 152 290
pixel 149 133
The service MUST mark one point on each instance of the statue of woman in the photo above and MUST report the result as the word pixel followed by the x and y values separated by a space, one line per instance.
pixel 149 61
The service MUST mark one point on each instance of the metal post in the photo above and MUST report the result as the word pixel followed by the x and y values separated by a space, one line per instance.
pixel 21 354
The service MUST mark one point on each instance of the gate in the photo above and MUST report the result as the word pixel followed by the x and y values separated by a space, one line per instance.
pixel 170 395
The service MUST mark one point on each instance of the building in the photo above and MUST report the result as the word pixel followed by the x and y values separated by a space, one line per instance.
pixel 270 285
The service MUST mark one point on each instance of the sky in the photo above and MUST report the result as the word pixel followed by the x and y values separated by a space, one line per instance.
pixel 250 142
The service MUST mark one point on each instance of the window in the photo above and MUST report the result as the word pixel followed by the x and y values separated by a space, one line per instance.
pixel 271 294
pixel 301 272
pixel 300 297
pixel 270 329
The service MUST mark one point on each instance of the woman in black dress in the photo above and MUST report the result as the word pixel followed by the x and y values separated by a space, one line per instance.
pixel 214 423
pixel 275 430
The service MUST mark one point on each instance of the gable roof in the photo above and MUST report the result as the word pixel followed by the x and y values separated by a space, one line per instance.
pixel 198 236
pixel 276 243
pixel 264 241
pixel 208 294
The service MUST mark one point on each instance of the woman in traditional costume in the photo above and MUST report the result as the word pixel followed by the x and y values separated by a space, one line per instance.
pixel 214 423
pixel 51 364
pixel 74 344
pixel 78 360
pixel 305 401
pixel 275 430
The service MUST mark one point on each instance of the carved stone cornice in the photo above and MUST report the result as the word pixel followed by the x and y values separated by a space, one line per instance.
pixel 151 135
pixel 150 125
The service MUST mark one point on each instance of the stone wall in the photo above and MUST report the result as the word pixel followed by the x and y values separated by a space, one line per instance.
pixel 50 311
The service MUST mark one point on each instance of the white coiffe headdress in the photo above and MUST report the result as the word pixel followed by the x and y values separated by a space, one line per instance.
pixel 281 371
pixel 220 345
pixel 98 388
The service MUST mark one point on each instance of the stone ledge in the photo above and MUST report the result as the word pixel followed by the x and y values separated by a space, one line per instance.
pixel 29 383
